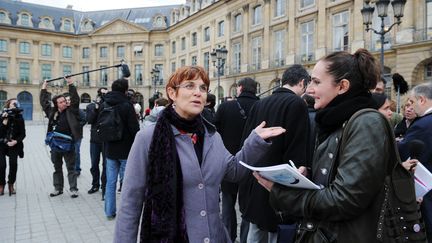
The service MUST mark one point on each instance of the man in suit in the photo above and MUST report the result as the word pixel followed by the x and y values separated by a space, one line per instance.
pixel 421 129
pixel 230 120
pixel 283 108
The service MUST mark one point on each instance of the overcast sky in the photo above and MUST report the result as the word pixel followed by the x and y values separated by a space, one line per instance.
pixel 91 5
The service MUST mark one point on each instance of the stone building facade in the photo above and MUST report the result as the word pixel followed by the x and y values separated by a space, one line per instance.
pixel 262 37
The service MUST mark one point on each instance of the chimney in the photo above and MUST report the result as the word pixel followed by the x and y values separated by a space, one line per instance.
pixel 69 6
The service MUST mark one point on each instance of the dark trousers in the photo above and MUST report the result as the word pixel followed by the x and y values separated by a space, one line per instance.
pixel 13 165
pixel 96 149
pixel 229 215
pixel 57 160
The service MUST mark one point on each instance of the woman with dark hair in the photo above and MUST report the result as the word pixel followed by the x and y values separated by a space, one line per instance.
pixel 12 133
pixel 350 161
pixel 382 104
pixel 175 168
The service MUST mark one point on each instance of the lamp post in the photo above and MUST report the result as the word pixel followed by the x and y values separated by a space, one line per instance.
pixel 218 57
pixel 382 7
pixel 155 77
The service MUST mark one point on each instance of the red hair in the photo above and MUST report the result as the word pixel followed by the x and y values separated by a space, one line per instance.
pixel 186 73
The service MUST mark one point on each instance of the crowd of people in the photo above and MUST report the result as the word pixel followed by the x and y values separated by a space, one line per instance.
pixel 178 165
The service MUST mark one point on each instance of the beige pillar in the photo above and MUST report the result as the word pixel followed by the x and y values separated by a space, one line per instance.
pixel 357 28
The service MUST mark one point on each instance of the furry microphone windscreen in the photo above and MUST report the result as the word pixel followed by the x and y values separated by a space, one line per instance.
pixel 399 82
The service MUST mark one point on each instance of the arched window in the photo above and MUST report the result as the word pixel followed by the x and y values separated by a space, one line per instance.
pixel 26 103
pixel 25 19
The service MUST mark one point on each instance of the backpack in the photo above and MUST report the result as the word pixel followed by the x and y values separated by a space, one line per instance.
pixel 109 125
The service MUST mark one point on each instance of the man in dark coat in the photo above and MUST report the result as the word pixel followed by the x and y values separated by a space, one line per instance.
pixel 63 119
pixel 117 151
pixel 96 146
pixel 421 129
pixel 283 108
pixel 230 120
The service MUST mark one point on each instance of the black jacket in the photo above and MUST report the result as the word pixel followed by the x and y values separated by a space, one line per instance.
pixel 72 112
pixel 14 130
pixel 230 123
pixel 351 166
pixel 91 116
pixel 120 149
pixel 283 108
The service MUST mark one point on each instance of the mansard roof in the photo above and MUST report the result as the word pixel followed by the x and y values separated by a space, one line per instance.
pixel 140 16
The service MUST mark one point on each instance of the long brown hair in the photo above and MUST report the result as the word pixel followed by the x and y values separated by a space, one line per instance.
pixel 8 102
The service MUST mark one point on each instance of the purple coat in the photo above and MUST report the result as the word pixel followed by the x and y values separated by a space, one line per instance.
pixel 200 184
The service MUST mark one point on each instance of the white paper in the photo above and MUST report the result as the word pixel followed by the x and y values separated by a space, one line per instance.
pixel 284 175
pixel 423 180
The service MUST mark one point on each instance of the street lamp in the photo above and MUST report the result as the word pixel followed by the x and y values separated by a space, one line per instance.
pixel 155 77
pixel 218 57
pixel 382 7
pixel 56 88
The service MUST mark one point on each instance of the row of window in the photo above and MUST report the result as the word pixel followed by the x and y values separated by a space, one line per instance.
pixel 137 78
pixel 194 38
pixel 46 73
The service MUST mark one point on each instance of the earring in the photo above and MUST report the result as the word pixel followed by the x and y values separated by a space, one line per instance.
pixel 173 105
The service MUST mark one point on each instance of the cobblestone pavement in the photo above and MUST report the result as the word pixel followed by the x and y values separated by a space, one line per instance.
pixel 32 216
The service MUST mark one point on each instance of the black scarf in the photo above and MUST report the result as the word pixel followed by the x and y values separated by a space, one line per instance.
pixel 339 110
pixel 164 215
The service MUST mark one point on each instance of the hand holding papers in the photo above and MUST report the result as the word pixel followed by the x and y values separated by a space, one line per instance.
pixel 423 180
pixel 284 174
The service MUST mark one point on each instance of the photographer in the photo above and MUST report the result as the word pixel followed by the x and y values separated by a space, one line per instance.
pixel 12 133
pixel 96 147
pixel 63 129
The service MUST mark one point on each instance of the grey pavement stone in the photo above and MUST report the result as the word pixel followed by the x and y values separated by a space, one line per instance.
pixel 33 216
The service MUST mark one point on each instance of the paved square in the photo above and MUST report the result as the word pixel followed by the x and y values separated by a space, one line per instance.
pixel 32 216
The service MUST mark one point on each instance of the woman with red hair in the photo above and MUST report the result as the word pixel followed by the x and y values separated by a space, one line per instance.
pixel 175 168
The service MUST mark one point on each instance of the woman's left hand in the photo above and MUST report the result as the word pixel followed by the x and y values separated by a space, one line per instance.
pixel 12 143
pixel 268 185
pixel 268 132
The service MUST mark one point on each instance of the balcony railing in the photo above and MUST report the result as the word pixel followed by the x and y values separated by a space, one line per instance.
pixel 423 34
pixel 305 58
pixel 277 63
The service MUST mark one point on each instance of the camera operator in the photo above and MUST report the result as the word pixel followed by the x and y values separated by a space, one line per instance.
pixel 12 133
pixel 96 146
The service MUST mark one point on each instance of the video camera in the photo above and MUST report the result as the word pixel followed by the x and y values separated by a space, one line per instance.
pixel 12 112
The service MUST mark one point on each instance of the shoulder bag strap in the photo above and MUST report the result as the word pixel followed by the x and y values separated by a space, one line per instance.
pixel 242 111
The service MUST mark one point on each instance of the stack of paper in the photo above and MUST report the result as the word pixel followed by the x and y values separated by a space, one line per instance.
pixel 284 174
pixel 423 180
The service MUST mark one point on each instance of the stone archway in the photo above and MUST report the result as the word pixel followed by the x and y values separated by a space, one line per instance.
pixel 420 73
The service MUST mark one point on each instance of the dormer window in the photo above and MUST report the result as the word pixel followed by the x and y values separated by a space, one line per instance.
pixel 25 20
pixel 46 23
pixel 87 26
pixel 67 25
pixel 159 22
pixel 4 18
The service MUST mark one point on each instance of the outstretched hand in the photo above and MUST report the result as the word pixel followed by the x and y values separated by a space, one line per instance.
pixel 268 132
